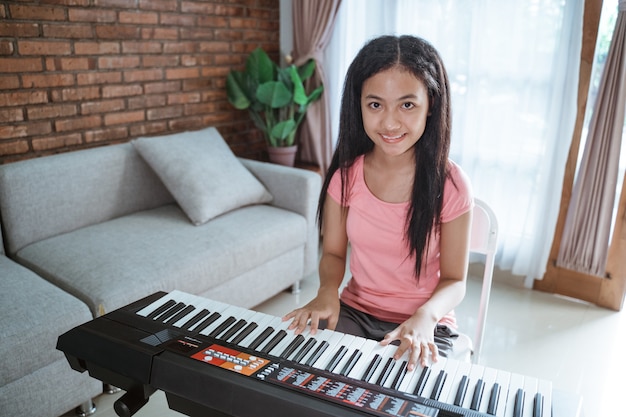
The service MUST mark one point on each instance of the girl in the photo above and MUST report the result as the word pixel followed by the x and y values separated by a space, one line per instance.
pixel 405 209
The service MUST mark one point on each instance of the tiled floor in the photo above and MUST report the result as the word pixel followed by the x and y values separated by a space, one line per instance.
pixel 579 347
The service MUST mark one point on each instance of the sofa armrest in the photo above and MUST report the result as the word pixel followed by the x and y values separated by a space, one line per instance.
pixel 296 190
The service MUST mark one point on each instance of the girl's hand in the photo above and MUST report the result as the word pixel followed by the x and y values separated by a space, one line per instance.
pixel 322 307
pixel 416 336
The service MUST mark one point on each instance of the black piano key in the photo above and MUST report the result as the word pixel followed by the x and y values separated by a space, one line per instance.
pixel 207 322
pixel 385 372
pixel 274 341
pixel 182 313
pixel 478 395
pixel 261 338
pixel 317 353
pixel 297 341
pixel 538 405
pixel 195 319
pixel 336 358
pixel 161 309
pixel 493 400
pixel 170 312
pixel 441 379
pixel 304 350
pixel 371 368
pixel 460 394
pixel 518 409
pixel 356 355
pixel 399 376
pixel 234 329
pixel 421 382
pixel 244 333
pixel 223 326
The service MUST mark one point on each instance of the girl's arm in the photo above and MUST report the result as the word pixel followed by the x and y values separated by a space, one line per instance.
pixel 416 333
pixel 325 306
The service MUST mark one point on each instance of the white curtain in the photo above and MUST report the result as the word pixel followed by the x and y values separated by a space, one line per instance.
pixel 513 68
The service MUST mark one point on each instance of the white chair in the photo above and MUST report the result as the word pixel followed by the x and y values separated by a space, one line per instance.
pixel 483 240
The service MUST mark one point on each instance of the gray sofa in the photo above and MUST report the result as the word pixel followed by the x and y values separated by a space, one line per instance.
pixel 97 229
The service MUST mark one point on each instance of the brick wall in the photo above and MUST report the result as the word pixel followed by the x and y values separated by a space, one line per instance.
pixel 83 73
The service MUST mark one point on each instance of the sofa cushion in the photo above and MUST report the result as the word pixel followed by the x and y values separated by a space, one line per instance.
pixel 202 173
pixel 114 263
pixel 44 197
pixel 33 313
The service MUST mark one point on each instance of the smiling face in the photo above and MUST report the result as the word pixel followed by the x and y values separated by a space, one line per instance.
pixel 395 106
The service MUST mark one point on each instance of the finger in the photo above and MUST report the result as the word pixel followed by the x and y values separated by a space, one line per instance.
pixel 434 351
pixel 314 323
pixel 402 348
pixel 389 337
pixel 413 359
pixel 332 322
pixel 302 322
pixel 424 350
pixel 296 325
pixel 289 316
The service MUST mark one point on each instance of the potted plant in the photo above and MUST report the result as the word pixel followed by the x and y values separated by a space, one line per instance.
pixel 274 96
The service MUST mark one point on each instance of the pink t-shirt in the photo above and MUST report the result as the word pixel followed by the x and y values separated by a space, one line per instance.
pixel 383 283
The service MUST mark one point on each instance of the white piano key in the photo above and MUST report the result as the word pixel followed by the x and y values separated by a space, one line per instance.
pixel 451 370
pixel 462 369
pixel 333 342
pixel 515 383
pixel 345 341
pixel 396 367
pixel 253 317
pixel 321 337
pixel 213 307
pixel 503 379
pixel 245 316
pixel 475 374
pixel 361 365
pixel 434 372
pixel 199 304
pixel 278 324
pixel 225 314
pixel 262 324
pixel 410 380
pixel 530 389
pixel 489 377
pixel 157 303
pixel 353 346
pixel 386 352
pixel 545 389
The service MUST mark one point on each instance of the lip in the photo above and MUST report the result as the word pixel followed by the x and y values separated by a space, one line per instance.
pixel 392 138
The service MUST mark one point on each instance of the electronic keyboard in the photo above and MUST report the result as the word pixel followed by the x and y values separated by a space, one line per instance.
pixel 216 359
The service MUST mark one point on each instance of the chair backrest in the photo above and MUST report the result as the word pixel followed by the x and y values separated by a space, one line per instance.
pixel 483 240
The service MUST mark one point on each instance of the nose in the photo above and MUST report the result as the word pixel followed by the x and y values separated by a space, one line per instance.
pixel 390 120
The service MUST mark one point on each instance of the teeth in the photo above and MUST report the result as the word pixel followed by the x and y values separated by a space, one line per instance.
pixel 391 137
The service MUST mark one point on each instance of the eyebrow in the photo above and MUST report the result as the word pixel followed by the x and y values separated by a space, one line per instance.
pixel 405 97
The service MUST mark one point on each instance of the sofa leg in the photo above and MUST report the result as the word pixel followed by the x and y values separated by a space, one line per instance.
pixel 295 288
pixel 86 409
pixel 110 389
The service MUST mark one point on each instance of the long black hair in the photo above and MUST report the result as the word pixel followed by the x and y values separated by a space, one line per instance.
pixel 422 60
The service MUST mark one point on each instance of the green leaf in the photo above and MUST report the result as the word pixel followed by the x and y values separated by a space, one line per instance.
pixel 260 67
pixel 299 94
pixel 306 70
pixel 283 129
pixel 316 94
pixel 236 94
pixel 274 94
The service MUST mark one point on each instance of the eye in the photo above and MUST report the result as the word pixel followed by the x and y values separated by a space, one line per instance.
pixel 374 105
pixel 408 105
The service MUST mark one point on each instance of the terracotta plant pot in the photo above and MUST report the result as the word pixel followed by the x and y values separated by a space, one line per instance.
pixel 283 155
